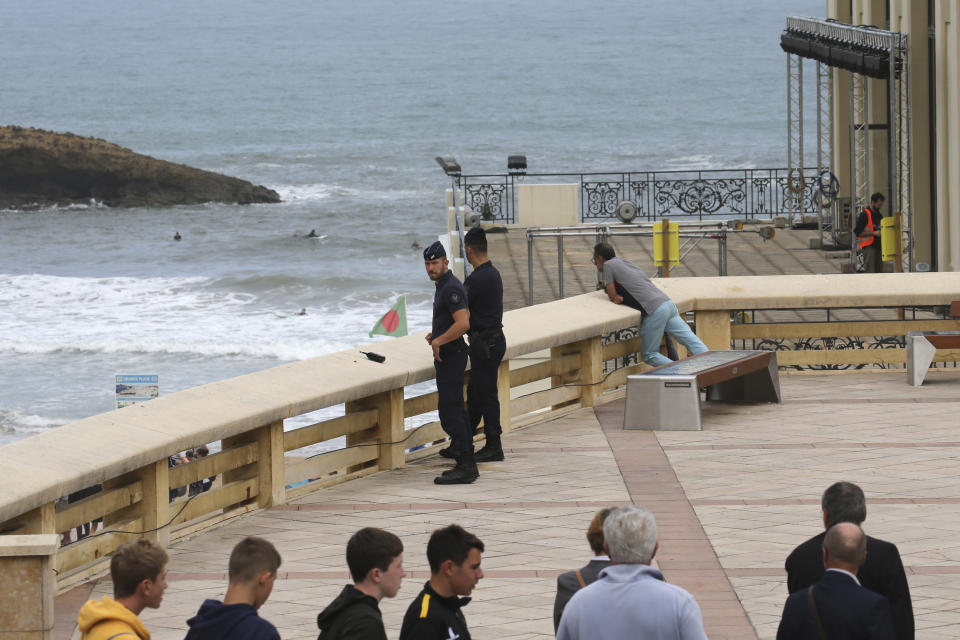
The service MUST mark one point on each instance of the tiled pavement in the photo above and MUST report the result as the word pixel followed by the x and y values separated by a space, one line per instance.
pixel 731 502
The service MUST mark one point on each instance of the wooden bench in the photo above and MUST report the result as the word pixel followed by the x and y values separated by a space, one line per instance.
pixel 668 397
pixel 923 345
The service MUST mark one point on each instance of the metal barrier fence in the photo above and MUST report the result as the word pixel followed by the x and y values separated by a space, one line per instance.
pixel 691 233
pixel 693 194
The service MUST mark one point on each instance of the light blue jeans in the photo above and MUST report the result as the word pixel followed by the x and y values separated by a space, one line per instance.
pixel 666 318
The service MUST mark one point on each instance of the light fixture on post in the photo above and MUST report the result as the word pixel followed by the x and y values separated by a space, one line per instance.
pixel 517 165
pixel 451 167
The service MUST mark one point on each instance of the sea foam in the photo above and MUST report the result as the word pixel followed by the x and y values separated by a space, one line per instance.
pixel 46 314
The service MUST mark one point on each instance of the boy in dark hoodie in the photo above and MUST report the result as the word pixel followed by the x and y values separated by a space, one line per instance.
pixel 253 570
pixel 375 558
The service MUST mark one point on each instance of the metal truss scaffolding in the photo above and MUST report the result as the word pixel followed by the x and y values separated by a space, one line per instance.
pixel 865 52
pixel 825 150
pixel 795 131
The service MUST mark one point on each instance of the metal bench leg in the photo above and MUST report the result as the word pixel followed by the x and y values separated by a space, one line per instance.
pixel 655 403
pixel 919 356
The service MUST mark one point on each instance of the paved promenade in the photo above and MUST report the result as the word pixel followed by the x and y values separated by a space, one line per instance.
pixel 731 502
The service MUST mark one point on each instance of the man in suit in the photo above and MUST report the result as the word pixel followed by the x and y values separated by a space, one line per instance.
pixel 837 606
pixel 881 573
pixel 572 581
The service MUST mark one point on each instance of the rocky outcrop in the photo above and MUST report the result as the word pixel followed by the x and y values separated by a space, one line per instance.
pixel 43 168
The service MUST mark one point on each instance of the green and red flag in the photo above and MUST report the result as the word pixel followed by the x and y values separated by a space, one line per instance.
pixel 394 322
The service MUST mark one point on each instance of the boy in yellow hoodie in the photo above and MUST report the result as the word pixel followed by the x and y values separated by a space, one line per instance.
pixel 138 571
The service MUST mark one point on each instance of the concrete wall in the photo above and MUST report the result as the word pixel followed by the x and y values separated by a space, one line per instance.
pixel 947 54
pixel 548 205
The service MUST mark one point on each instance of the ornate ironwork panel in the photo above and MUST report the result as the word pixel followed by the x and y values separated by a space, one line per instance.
pixel 628 333
pixel 490 200
pixel 600 199
pixel 700 196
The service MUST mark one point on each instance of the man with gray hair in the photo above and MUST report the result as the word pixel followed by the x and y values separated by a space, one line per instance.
pixel 630 599
pixel 837 606
pixel 882 572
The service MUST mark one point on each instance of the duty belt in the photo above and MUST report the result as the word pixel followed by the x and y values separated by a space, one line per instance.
pixel 457 346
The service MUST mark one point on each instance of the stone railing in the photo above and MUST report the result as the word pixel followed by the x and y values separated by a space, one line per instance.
pixel 260 464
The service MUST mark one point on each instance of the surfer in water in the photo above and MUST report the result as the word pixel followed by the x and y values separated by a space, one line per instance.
pixel 312 234
pixel 177 236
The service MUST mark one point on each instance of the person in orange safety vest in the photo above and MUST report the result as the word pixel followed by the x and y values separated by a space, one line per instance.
pixel 868 234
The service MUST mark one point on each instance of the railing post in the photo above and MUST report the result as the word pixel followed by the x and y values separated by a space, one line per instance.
pixel 270 465
pixel 43 519
pixel 155 480
pixel 591 370
pixel 503 394
pixel 153 508
pixel 713 328
pixel 29 583
pixel 558 380
pixel 389 429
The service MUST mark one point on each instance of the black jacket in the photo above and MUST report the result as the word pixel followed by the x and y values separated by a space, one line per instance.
pixel 847 612
pixel 218 621
pixel 567 585
pixel 353 615
pixel 432 617
pixel 881 573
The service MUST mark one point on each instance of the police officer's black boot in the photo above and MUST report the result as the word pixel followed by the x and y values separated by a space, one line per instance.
pixel 464 473
pixel 492 450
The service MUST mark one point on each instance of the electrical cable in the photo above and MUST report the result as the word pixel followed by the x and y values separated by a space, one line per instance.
pixel 377 443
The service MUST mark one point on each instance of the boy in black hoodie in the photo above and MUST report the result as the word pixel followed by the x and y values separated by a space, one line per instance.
pixel 375 558
pixel 253 570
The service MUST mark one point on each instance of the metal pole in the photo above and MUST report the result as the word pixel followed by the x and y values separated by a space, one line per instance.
pixel 456 213
pixel 892 135
pixel 560 264
pixel 665 239
pixel 820 146
pixel 722 248
pixel 529 269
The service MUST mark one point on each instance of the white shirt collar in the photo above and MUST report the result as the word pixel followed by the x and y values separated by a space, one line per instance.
pixel 844 571
pixel 601 558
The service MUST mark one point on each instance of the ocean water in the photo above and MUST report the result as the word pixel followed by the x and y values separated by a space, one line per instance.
pixel 341 108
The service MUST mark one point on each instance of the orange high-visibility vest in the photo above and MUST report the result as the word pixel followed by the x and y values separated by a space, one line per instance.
pixel 866 241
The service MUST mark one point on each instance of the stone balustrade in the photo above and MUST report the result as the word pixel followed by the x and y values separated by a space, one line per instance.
pixel 258 465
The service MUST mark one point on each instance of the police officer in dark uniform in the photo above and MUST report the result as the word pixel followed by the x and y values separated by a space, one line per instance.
pixel 436 613
pixel 451 319
pixel 487 344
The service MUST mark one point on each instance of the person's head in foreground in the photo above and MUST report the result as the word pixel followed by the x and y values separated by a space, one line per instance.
pixel 844 547
pixel 843 502
pixel 375 559
pixel 454 557
pixel 630 535
pixel 252 571
pixel 139 575
pixel 595 531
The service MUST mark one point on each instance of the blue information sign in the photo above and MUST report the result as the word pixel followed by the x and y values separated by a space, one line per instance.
pixel 136 388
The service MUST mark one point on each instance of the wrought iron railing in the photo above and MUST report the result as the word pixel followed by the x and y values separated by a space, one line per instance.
pixel 853 330
pixel 696 194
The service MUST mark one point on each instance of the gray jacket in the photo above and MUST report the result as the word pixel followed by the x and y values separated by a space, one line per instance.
pixel 630 601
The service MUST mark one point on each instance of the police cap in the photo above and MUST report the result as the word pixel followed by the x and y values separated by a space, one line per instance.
pixel 434 252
